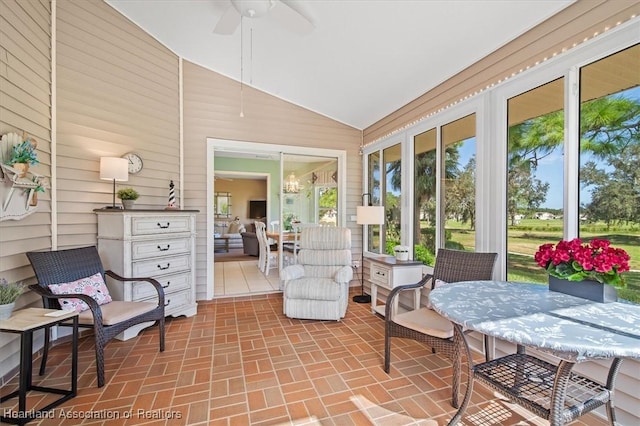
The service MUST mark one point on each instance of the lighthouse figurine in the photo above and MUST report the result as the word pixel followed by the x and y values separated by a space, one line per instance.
pixel 172 197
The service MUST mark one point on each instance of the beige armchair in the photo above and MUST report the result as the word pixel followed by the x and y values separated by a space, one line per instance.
pixel 317 287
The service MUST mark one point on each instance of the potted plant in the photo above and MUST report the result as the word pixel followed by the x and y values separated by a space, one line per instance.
pixel 590 270
pixel 40 187
pixel 9 293
pixel 128 197
pixel 23 155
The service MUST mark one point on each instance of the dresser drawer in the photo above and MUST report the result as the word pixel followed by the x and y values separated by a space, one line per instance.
pixel 169 247
pixel 160 225
pixel 173 302
pixel 161 266
pixel 170 283
pixel 380 275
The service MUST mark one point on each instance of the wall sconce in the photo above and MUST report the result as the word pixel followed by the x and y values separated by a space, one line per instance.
pixel 115 169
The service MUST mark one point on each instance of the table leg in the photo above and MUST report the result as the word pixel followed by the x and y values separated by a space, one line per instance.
pixel 461 349
pixel 26 358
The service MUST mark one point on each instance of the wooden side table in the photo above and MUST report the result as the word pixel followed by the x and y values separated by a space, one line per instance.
pixel 25 322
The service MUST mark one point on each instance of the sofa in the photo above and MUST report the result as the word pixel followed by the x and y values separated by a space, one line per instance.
pixel 232 230
pixel 250 243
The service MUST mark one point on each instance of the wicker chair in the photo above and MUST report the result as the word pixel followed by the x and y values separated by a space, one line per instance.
pixel 108 320
pixel 424 324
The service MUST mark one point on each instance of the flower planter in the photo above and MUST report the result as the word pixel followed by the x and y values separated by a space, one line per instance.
pixel 6 310
pixel 21 169
pixel 591 290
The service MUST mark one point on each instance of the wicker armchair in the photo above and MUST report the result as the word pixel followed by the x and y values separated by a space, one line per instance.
pixel 107 320
pixel 426 325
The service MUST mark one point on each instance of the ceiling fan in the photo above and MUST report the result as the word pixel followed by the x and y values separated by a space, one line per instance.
pixel 290 14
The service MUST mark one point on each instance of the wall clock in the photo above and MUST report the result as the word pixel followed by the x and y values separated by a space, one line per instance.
pixel 135 162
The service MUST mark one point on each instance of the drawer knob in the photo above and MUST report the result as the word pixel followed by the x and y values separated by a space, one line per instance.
pixel 164 249
pixel 162 268
pixel 168 284
pixel 163 226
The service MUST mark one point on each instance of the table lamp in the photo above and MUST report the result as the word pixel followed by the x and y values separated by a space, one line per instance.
pixel 115 169
pixel 366 215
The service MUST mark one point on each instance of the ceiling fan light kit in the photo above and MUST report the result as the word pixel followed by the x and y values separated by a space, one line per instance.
pixel 253 8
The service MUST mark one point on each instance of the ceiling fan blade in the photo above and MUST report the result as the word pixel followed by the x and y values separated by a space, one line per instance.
pixel 293 16
pixel 228 22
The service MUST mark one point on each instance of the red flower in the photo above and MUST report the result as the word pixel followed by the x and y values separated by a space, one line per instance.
pixel 577 261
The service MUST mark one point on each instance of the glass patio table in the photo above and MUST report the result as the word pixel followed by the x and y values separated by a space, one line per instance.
pixel 570 328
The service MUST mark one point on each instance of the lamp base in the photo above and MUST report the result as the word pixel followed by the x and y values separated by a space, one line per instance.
pixel 113 207
pixel 362 298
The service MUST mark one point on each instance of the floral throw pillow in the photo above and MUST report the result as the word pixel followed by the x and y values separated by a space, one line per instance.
pixel 93 286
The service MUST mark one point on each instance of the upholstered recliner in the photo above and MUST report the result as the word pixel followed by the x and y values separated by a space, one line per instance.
pixel 317 287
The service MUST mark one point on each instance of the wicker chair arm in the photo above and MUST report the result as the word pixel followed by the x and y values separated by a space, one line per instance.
pixel 152 281
pixel 388 314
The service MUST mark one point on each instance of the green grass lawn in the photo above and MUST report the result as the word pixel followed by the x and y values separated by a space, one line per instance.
pixel 525 238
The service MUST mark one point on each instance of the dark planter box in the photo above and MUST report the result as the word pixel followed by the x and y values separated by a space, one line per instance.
pixel 591 290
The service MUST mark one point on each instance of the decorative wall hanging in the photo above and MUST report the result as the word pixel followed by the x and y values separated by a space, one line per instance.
pixel 19 186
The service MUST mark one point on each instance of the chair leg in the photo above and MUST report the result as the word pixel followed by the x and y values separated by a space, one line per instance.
pixel 161 330
pixel 100 362
pixel 45 350
pixel 387 352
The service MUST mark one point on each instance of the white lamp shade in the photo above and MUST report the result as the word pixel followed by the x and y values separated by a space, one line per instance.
pixel 114 168
pixel 370 215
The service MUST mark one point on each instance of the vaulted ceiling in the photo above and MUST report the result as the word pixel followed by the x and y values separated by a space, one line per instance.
pixel 355 61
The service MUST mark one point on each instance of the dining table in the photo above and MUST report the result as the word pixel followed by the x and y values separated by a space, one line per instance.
pixel 569 329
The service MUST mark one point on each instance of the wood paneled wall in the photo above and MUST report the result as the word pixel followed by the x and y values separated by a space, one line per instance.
pixel 212 110
pixel 117 91
pixel 25 105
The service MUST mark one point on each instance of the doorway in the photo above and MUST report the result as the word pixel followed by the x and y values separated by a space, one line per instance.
pixel 317 182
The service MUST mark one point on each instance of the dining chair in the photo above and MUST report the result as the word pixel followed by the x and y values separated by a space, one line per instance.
pixel 64 280
pixel 267 259
pixel 424 324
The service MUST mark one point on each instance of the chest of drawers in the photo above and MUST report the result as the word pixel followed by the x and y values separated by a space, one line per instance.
pixel 151 243
pixel 387 272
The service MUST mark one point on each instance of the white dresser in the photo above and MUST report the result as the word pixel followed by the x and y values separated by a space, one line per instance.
pixel 388 272
pixel 150 243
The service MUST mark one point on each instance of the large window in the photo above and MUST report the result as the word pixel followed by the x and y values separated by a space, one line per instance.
pixel 610 157
pixel 534 177
pixel 459 184
pixel 424 199
pixel 392 196
pixel 375 191
pixel 557 157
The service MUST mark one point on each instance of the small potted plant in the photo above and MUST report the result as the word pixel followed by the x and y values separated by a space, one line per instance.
pixel 40 187
pixel 128 197
pixel 23 155
pixel 9 293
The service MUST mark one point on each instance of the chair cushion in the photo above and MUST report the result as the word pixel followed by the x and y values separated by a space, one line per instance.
pixel 93 286
pixel 426 321
pixel 117 312
pixel 313 289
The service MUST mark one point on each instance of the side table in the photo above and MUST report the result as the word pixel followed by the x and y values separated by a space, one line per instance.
pixel 25 322
pixel 387 272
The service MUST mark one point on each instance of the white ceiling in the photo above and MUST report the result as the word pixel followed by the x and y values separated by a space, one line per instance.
pixel 362 60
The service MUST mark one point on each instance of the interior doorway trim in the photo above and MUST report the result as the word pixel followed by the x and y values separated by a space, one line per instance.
pixel 276 150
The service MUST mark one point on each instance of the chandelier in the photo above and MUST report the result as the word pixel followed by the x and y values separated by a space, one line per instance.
pixel 291 184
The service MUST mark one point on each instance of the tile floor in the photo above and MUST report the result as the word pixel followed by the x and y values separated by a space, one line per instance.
pixel 243 278
pixel 240 361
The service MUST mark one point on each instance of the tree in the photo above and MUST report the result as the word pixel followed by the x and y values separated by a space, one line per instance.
pixel 461 195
